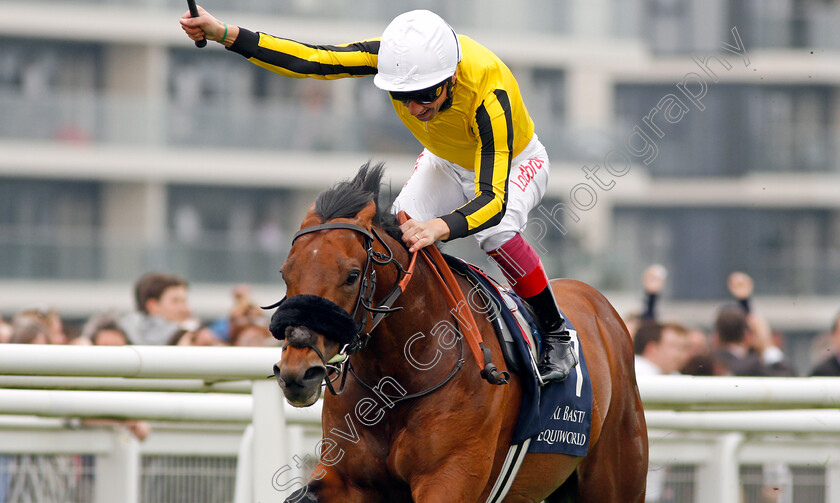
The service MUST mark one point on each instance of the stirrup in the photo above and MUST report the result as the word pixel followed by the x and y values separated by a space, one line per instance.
pixel 552 361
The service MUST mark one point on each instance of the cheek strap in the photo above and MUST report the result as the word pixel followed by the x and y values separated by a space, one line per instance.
pixel 316 313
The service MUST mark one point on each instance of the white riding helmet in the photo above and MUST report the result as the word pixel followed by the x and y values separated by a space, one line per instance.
pixel 417 50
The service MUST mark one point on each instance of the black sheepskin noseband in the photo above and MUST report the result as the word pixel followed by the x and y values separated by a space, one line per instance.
pixel 318 314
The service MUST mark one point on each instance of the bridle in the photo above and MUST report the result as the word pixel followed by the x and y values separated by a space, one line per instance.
pixel 340 364
pixel 367 286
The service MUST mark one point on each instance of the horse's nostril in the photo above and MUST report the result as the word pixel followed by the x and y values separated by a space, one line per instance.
pixel 316 373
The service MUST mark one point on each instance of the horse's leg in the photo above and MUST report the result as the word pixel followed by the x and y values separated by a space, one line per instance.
pixel 539 476
pixel 442 468
pixel 459 478
pixel 616 467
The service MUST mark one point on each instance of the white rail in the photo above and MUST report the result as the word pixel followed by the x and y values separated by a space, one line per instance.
pixel 739 392
pixel 123 384
pixel 211 364
pixel 712 422
pixel 751 421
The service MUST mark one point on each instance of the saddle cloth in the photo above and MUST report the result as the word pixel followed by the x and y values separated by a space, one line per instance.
pixel 554 418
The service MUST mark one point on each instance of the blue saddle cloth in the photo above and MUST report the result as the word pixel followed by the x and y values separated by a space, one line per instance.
pixel 557 416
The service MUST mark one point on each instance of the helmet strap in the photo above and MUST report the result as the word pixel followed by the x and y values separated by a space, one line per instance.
pixel 448 102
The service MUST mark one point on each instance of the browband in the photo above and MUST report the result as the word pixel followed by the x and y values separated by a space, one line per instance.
pixel 333 225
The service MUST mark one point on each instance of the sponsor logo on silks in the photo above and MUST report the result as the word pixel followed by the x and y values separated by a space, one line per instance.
pixel 416 165
pixel 527 172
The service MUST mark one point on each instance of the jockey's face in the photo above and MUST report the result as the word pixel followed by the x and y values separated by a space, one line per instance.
pixel 427 111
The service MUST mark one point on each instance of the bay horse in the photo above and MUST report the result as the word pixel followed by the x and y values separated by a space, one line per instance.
pixel 416 422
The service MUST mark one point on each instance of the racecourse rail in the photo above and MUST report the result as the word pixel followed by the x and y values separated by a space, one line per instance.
pixel 714 415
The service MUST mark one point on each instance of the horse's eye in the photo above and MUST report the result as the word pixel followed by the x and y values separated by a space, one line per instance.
pixel 353 277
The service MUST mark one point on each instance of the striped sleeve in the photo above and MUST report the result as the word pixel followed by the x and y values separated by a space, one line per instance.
pixel 494 123
pixel 299 60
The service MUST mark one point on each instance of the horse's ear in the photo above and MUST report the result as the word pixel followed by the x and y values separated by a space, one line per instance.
pixel 311 218
pixel 365 217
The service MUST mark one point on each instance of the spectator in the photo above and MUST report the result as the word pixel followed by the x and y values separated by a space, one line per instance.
pixel 41 478
pixel 105 330
pixel 56 327
pixel 745 337
pixel 162 309
pixel 80 341
pixel 242 307
pixel 50 319
pixel 250 334
pixel 660 349
pixel 27 330
pixel 698 343
pixel 704 365
pixel 203 336
pixel 247 321
pixel 653 280
pixel 5 331
pixel 746 345
pixel 830 366
pixel 700 360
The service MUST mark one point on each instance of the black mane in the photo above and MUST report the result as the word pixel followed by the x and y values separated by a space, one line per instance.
pixel 346 199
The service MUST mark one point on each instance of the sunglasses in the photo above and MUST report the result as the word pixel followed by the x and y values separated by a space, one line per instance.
pixel 422 96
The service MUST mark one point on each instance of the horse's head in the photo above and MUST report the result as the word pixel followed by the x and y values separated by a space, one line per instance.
pixel 329 284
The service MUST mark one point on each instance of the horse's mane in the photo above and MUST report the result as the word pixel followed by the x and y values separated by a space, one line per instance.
pixel 346 199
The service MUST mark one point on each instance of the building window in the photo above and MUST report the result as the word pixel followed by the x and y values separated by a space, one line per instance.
pixel 49 229
pixel 229 235
pixel 743 129
pixel 48 87
pixel 788 252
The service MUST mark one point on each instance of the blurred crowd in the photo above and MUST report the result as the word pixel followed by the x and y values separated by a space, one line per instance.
pixel 740 341
pixel 162 316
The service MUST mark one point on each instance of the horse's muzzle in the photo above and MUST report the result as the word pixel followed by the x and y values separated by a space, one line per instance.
pixel 301 390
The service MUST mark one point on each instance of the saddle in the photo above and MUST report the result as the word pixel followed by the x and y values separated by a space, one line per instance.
pixel 511 318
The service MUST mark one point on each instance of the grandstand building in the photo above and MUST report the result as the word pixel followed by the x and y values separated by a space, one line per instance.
pixel 700 134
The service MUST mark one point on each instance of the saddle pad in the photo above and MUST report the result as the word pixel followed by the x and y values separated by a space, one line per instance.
pixel 557 416
pixel 564 409
pixel 560 425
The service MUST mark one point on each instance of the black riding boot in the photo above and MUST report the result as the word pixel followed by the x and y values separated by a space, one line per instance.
pixel 557 358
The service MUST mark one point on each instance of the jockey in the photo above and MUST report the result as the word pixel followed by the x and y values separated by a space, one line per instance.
pixel 482 168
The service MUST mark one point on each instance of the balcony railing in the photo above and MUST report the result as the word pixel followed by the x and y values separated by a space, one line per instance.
pixel 524 16
pixel 88 117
